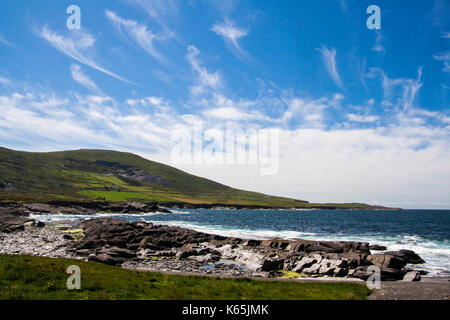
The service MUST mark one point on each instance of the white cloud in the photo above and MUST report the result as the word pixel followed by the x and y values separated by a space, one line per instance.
pixel 231 35
pixel 387 164
pixel 228 113
pixel 361 118
pixel 77 47
pixel 131 30
pixel 445 35
pixel 81 78
pixel 147 101
pixel 329 57
pixel 306 112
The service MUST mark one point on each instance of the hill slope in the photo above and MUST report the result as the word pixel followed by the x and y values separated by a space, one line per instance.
pixel 118 176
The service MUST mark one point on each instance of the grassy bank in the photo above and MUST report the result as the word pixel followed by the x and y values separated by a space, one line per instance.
pixel 28 277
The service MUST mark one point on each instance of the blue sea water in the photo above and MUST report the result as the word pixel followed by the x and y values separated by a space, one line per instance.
pixel 427 232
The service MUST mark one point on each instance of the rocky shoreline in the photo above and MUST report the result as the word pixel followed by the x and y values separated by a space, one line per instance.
pixel 145 246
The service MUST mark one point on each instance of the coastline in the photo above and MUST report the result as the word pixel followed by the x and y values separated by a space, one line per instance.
pixel 143 245
pixel 216 256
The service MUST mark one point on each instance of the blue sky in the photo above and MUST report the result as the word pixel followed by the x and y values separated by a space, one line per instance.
pixel 364 114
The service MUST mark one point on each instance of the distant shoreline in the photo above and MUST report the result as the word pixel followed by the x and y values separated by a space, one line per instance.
pixel 118 206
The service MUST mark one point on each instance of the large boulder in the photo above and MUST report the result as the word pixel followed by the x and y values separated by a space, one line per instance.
pixel 106 231
pixel 386 261
pixel 407 255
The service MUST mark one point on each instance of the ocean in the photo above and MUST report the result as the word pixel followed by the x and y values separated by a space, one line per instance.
pixel 427 232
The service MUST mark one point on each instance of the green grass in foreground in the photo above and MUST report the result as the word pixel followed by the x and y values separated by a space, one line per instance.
pixel 29 277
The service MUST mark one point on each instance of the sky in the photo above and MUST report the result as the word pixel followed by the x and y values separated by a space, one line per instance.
pixel 362 114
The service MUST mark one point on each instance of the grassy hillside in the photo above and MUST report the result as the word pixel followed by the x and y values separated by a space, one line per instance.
pixel 28 277
pixel 96 175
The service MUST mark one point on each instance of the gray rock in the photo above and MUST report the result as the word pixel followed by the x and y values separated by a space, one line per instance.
pixel 387 261
pixel 305 262
pixel 412 276
pixel 106 259
pixel 314 269
pixel 407 255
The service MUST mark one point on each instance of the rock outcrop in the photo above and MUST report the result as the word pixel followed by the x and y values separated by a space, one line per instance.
pixel 114 241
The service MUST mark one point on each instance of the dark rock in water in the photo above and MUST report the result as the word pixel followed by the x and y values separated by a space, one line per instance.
pixel 376 247
pixel 407 255
pixel 13 223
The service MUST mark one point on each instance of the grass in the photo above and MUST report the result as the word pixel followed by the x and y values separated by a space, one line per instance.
pixel 117 196
pixel 30 277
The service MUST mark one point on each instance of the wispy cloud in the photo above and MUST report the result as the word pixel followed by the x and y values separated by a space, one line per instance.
pixel 79 76
pixel 77 47
pixel 231 35
pixel 329 58
pixel 398 92
pixel 4 80
pixel 445 58
pixel 140 34
pixel 4 41
pixel 205 79
pixel 445 35
pixel 379 42
pixel 159 10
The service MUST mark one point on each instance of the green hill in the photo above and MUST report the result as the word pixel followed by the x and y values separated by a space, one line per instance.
pixel 96 175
